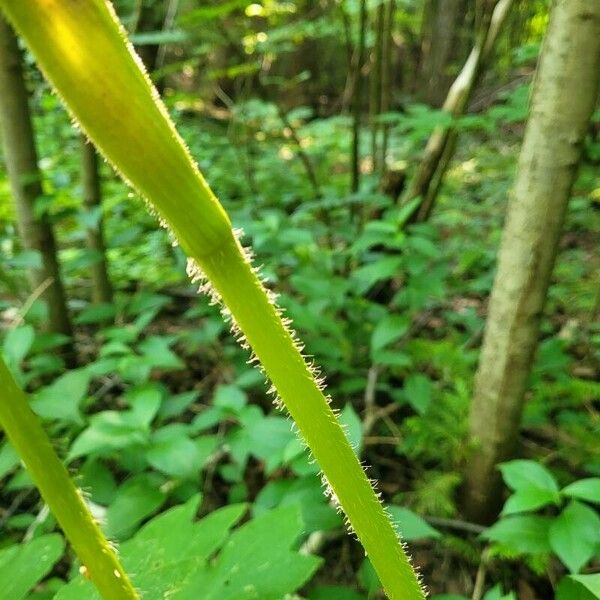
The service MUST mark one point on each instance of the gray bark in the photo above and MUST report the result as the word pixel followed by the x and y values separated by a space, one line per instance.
pixel 90 179
pixel 25 180
pixel 564 96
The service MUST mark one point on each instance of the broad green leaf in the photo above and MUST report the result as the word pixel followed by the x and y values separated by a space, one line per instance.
pixel 61 399
pixel 388 330
pixel 584 489
pixel 368 275
pixel 23 565
pixel 207 418
pixel 174 406
pixel 230 397
pixel 9 459
pixel 496 593
pixel 410 525
pixel 173 453
pixel 591 582
pixel 145 401
pixel 135 500
pixel 268 439
pixel 527 474
pixel 96 313
pixel 575 534
pixel 17 343
pixel 256 562
pixel 156 353
pixel 578 587
pixel 108 431
pixel 523 534
pixel 305 492
pixel 528 499
pixel 167 551
pixel 97 479
pixel 418 390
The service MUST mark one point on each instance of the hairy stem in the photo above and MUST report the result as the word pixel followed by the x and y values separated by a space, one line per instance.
pixel 25 433
pixel 84 54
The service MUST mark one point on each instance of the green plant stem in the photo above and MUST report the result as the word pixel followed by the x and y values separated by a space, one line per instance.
pixel 257 318
pixel 23 429
pixel 82 51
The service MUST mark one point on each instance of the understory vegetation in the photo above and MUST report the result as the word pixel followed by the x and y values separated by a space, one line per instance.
pixel 163 420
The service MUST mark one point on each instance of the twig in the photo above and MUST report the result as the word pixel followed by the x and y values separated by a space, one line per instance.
pixel 455 524
pixel 479 588
pixel 18 320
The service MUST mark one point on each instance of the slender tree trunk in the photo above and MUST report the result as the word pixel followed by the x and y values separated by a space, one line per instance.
pixel 101 286
pixel 386 76
pixel 456 104
pixel 441 47
pixel 565 92
pixel 375 84
pixel 25 180
pixel 151 18
pixel 357 99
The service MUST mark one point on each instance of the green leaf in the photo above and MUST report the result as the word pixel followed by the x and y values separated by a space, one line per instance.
pixel 522 534
pixel 167 551
pixel 529 475
pixel 388 330
pixel 367 276
pixel 23 565
pixel 584 489
pixel 108 431
pixel 496 593
pixel 136 499
pixel 98 479
pixel 157 354
pixel 174 406
pixel 17 343
pixel 9 459
pixel 307 493
pixel 230 397
pixel 61 399
pixel 410 525
pixel 145 401
pixel 352 426
pixel 528 499
pixel 173 453
pixel 256 562
pixel 579 587
pixel 159 38
pixel 96 313
pixel 590 582
pixel 575 534
pixel 268 439
pixel 27 259
pixel 418 390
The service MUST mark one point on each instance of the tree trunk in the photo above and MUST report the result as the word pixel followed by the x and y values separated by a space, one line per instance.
pixel 90 179
pixel 386 76
pixel 25 180
pixel 357 99
pixel 442 45
pixel 375 77
pixel 456 104
pixel 564 96
pixel 150 19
